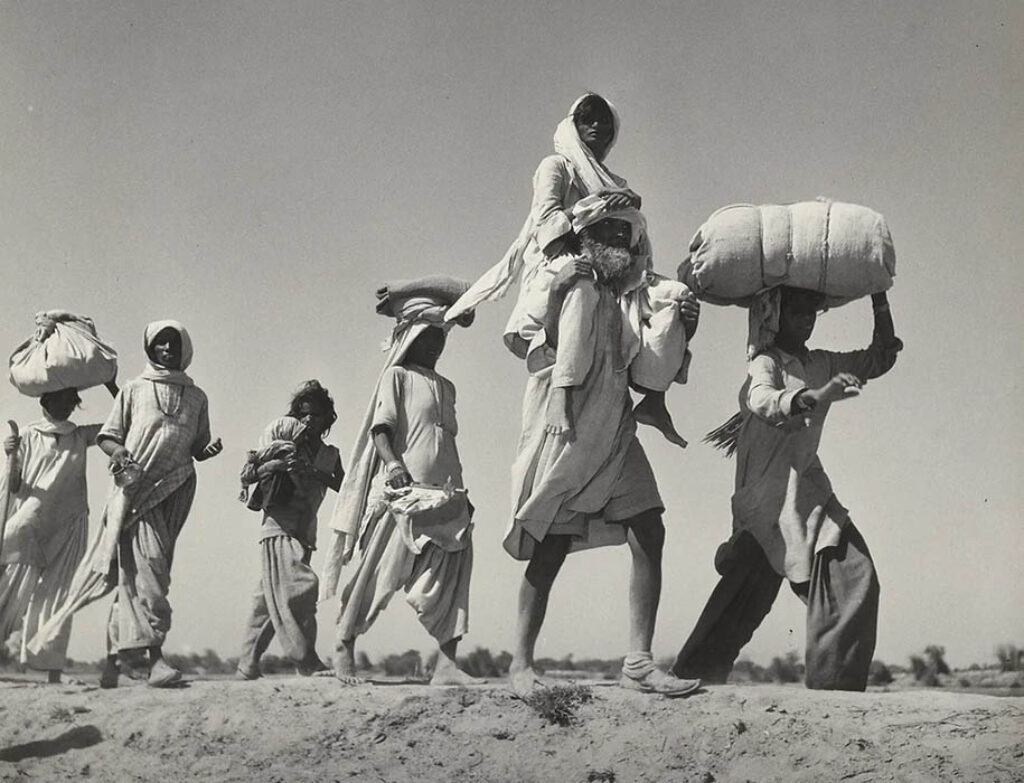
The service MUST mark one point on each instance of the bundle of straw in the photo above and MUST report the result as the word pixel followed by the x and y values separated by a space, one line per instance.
pixel 726 436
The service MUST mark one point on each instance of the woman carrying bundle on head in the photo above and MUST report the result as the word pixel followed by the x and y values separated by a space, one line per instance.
pixel 403 505
pixel 159 427
pixel 48 524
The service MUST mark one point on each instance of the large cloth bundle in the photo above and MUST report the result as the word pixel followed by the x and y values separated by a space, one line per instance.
pixel 842 250
pixel 65 352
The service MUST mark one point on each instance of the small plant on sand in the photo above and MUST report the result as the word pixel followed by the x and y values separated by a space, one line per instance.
pixel 601 776
pixel 558 704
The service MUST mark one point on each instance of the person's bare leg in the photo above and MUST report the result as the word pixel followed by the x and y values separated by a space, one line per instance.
pixel 345 663
pixel 534 590
pixel 447 671
pixel 651 410
pixel 646 536
pixel 558 418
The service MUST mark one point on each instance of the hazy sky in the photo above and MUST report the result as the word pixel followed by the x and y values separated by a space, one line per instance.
pixel 255 170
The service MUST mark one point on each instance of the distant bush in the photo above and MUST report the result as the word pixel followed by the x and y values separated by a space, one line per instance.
pixel 1010 657
pixel 408 664
pixel 928 668
pixel 936 656
pixel 745 670
pixel 480 663
pixel 207 662
pixel 879 674
pixel 788 669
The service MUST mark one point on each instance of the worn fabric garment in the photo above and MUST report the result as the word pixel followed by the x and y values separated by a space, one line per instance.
pixel 763 321
pixel 420 308
pixel 432 561
pixel 783 496
pixel 284 603
pixel 842 614
pixel 162 418
pixel 296 514
pixel 844 251
pixel 560 181
pixel 140 615
pixel 576 486
pixel 64 353
pixel 46 533
pixel 435 582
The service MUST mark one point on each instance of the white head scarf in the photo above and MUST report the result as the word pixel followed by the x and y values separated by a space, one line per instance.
pixel 590 176
pixel 159 374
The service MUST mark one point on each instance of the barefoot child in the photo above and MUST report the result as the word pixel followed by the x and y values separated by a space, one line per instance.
pixel 403 503
pixel 293 470
pixel 48 526
pixel 787 522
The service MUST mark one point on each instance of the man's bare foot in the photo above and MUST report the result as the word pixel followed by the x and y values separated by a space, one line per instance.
pixel 447 673
pixel 345 664
pixel 524 681
pixel 110 674
pixel 558 419
pixel 651 410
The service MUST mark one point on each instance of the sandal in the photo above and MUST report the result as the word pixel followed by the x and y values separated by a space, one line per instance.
pixel 657 681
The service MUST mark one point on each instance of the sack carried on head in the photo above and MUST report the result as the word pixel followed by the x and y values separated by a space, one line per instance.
pixel 65 352
pixel 842 250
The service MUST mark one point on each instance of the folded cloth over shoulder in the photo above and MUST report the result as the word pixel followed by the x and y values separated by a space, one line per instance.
pixel 64 352
pixel 843 250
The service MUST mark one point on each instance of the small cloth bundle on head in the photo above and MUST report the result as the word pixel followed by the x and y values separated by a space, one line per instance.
pixel 65 352
pixel 403 299
pixel 842 250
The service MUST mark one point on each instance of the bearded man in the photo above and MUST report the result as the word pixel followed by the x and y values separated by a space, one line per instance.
pixel 581 478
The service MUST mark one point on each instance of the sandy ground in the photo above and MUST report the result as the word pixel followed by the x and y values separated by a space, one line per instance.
pixel 294 729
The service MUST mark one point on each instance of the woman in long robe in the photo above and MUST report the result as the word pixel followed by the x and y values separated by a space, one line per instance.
pixel 47 527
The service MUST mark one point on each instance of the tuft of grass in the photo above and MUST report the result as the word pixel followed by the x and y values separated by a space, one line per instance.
pixel 601 776
pixel 558 704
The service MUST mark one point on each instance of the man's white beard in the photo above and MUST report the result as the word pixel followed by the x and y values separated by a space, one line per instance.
pixel 612 264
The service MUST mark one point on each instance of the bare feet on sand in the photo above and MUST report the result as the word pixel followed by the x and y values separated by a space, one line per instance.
pixel 651 410
pixel 345 665
pixel 558 420
pixel 447 673
pixel 524 681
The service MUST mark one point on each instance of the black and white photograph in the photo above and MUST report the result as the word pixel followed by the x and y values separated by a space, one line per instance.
pixel 462 390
